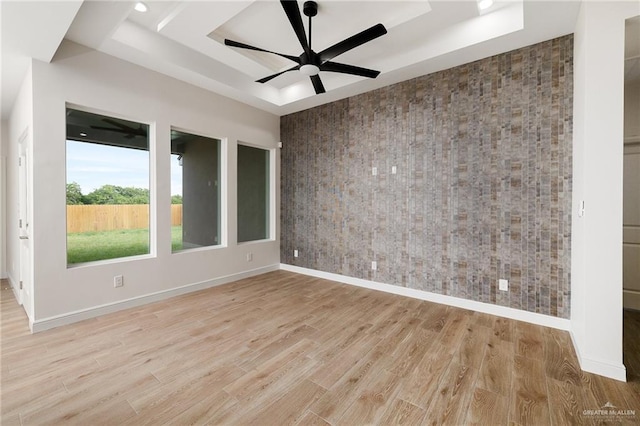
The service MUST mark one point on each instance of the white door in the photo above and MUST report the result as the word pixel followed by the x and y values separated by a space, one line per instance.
pixel 631 227
pixel 25 294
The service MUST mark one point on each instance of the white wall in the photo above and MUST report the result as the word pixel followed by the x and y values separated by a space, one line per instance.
pixel 596 270
pixel 86 78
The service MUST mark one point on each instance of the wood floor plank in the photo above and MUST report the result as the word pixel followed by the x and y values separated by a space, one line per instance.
pixel 274 346
pixel 282 348
pixel 420 387
pixel 401 412
pixel 496 371
pixel 529 340
pixel 565 402
pixel 600 392
pixel 435 317
pixel 454 329
pixel 530 401
pixel 288 409
pixel 488 408
pixel 453 397
pixel 411 351
pixel 289 363
pixel 203 411
pixel 504 329
pixel 559 357
pixel 110 412
pixel 350 336
pixel 340 396
pixel 472 347
pixel 330 371
pixel 372 399
pixel 312 419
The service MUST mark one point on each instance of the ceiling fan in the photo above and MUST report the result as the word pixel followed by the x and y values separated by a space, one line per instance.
pixel 309 62
pixel 129 131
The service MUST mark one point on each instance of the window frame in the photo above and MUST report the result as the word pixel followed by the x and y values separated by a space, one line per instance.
pixel 151 145
pixel 223 201
pixel 271 232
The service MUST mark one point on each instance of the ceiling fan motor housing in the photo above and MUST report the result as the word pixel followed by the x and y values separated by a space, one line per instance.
pixel 310 8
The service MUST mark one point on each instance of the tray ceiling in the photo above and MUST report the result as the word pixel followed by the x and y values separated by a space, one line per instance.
pixel 184 39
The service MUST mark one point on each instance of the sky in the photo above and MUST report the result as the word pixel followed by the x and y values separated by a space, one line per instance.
pixel 92 166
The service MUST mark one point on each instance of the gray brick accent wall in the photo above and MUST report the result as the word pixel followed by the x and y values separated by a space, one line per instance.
pixel 482 188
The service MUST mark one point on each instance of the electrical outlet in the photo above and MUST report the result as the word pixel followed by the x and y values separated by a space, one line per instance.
pixel 295 253
pixel 374 265
pixel 503 285
pixel 249 257
pixel 374 171
pixel 394 170
pixel 118 281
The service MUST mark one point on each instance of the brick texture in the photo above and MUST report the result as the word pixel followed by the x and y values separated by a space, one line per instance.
pixel 482 190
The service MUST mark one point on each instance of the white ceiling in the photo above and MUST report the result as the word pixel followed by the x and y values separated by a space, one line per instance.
pixel 184 39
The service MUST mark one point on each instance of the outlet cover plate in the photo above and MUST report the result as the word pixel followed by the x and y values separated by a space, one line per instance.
pixel 118 281
pixel 503 285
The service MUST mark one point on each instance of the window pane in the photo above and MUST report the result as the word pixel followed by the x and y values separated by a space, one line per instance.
pixel 195 189
pixel 107 187
pixel 253 193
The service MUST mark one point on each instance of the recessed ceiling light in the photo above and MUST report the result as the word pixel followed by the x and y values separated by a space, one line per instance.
pixel 485 4
pixel 83 134
pixel 141 7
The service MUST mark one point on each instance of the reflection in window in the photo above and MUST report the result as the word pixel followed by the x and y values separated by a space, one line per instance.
pixel 253 193
pixel 195 188
pixel 107 187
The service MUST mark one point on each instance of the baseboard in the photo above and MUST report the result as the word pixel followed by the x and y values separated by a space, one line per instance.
pixel 487 308
pixel 72 317
pixel 616 372
pixel 631 299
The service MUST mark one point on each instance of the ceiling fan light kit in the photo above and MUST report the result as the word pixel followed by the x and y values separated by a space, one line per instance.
pixel 309 70
pixel 310 63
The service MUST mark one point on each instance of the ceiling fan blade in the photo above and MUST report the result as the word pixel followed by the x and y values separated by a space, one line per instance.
pixel 129 133
pixel 352 42
pixel 265 79
pixel 111 129
pixel 349 69
pixel 118 124
pixel 232 43
pixel 293 13
pixel 317 84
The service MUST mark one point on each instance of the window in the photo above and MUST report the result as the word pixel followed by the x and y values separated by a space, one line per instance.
pixel 107 187
pixel 253 193
pixel 195 189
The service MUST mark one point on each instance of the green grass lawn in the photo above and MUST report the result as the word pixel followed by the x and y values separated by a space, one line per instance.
pixel 91 246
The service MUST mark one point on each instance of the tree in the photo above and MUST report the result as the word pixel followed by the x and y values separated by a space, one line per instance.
pixel 176 199
pixel 74 194
pixel 113 194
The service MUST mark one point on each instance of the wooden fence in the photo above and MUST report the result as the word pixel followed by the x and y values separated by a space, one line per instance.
pixel 108 217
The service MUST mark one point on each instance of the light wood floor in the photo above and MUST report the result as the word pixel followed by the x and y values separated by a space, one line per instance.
pixel 283 348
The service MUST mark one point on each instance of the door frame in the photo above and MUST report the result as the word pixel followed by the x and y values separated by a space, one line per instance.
pixel 24 290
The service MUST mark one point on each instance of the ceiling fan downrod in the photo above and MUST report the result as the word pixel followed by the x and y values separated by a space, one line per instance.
pixel 310 9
